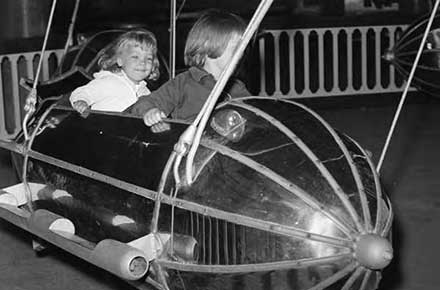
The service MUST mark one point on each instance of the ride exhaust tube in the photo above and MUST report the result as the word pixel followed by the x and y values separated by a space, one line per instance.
pixel 43 220
pixel 185 247
pixel 116 257
pixel 120 259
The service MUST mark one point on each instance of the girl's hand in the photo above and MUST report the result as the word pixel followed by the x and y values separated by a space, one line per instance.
pixel 153 116
pixel 80 106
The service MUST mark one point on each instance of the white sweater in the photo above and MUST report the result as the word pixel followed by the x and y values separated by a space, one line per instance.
pixel 110 91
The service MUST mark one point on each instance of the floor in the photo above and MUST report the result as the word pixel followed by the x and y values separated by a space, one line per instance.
pixel 410 173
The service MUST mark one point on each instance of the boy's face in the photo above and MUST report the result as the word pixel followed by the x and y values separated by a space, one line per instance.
pixel 136 62
pixel 230 49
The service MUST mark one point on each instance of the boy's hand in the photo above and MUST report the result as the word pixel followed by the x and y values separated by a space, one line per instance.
pixel 160 127
pixel 80 106
pixel 153 116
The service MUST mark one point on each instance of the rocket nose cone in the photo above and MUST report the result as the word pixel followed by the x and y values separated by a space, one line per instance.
pixel 388 55
pixel 373 251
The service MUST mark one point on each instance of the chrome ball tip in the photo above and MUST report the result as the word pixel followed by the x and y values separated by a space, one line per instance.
pixel 373 251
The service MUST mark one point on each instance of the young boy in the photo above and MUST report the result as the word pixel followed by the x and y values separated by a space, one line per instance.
pixel 209 47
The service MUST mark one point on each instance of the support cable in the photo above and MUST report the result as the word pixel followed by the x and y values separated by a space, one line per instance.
pixel 31 99
pixel 408 83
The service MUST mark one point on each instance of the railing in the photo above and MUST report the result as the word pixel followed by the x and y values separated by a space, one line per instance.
pixel 13 67
pixel 321 62
pixel 300 63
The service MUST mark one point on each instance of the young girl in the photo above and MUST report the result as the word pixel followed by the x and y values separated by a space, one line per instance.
pixel 209 47
pixel 124 67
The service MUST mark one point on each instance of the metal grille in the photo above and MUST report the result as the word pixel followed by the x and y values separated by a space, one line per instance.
pixel 224 243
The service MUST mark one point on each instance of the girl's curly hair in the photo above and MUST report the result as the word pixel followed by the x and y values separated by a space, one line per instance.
pixel 138 37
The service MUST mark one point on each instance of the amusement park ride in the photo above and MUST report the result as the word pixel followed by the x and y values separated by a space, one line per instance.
pixel 254 186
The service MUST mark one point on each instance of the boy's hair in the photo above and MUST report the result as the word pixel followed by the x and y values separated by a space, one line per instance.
pixel 140 37
pixel 210 35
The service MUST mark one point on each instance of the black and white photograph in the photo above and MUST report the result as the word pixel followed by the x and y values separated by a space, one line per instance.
pixel 219 145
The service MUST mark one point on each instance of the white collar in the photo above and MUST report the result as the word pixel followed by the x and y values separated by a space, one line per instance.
pixel 132 84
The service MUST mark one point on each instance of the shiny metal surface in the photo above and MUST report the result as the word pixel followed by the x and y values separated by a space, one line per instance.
pixel 279 199
pixel 403 54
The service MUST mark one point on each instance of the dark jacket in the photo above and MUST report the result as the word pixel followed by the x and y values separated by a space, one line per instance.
pixel 183 97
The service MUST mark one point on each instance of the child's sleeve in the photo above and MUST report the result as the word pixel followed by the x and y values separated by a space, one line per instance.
pixel 166 98
pixel 238 89
pixel 90 93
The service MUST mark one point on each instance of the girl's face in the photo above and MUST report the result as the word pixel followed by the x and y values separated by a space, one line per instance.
pixel 136 62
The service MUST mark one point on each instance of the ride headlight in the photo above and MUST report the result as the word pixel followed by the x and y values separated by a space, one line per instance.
pixel 229 124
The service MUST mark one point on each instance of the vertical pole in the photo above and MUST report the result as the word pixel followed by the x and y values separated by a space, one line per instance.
pixel 306 55
pixel 292 90
pixel 335 38
pixel 262 50
pixel 172 56
pixel 378 59
pixel 70 33
pixel 277 68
